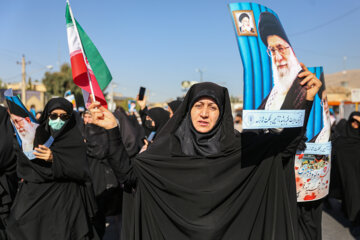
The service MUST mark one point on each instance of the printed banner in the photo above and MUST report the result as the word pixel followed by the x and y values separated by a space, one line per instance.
pixel 312 166
pixel 270 66
pixel 24 124
pixel 257 119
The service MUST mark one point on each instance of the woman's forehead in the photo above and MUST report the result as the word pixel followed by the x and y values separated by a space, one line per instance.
pixel 206 99
pixel 58 110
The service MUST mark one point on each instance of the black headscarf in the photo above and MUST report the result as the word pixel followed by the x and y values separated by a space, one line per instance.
pixel 194 142
pixel 61 187
pixel 345 178
pixel 8 178
pixel 174 105
pixel 238 191
pixel 344 128
pixel 68 143
pixel 160 116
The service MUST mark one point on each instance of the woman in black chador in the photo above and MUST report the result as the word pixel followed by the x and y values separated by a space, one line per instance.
pixel 8 178
pixel 345 177
pixel 55 198
pixel 202 180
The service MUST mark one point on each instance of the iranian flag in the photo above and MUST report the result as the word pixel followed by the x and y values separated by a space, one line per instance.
pixel 89 70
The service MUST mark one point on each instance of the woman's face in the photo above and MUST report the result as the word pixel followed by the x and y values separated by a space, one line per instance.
pixel 204 114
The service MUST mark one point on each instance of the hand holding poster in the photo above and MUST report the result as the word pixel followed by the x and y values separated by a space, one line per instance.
pixel 272 85
pixel 24 124
pixel 312 166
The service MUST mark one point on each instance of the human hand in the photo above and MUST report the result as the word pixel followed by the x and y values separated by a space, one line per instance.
pixel 142 103
pixel 44 153
pixel 312 83
pixel 357 118
pixel 101 116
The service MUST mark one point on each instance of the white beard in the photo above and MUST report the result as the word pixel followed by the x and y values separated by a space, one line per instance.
pixel 283 80
pixel 27 137
pixel 324 134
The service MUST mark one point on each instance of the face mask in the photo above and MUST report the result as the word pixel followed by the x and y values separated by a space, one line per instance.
pixel 56 124
pixel 148 124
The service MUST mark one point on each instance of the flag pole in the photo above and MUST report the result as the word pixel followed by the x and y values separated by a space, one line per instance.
pixel 82 49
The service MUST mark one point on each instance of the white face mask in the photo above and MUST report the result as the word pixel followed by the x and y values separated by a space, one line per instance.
pixel 56 124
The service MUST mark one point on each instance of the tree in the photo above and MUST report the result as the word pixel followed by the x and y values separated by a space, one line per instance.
pixel 57 83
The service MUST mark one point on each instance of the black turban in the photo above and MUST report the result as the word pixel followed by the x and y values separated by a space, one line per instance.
pixel 270 25
pixel 243 15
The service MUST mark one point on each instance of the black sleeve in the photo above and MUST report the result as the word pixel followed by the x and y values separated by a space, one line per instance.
pixel 258 145
pixel 119 160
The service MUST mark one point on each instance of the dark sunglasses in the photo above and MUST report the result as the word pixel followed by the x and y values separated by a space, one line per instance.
pixel 62 116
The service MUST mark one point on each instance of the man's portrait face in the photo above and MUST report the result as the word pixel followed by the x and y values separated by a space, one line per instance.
pixel 245 22
pixel 280 53
pixel 324 103
pixel 22 125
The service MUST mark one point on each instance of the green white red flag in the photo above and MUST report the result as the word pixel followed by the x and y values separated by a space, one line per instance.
pixel 89 70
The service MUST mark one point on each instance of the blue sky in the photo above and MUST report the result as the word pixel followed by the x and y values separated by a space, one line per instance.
pixel 158 44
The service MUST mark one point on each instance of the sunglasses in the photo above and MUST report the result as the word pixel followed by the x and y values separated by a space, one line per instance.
pixel 62 116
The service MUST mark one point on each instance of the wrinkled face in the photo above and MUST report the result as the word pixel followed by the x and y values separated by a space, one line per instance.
pixel 204 114
pixel 22 124
pixel 324 102
pixel 280 53
pixel 245 22
pixel 87 118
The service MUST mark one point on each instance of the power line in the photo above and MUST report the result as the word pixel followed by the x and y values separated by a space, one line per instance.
pixel 326 23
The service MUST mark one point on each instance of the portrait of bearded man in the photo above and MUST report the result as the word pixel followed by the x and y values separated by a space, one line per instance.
pixel 24 126
pixel 285 66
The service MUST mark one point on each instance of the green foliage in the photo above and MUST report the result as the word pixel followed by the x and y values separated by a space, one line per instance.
pixel 57 83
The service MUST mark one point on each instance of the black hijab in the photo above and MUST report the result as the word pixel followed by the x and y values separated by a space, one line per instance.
pixel 344 128
pixel 174 105
pixel 194 142
pixel 236 190
pixel 345 178
pixel 160 116
pixel 69 149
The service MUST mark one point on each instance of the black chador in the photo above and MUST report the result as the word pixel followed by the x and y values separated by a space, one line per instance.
pixel 8 177
pixel 207 186
pixel 55 199
pixel 345 177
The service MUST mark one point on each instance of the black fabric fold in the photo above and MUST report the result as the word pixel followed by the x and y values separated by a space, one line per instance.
pixel 240 192
pixel 55 199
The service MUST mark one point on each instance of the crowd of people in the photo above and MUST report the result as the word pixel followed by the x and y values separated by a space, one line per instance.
pixel 188 172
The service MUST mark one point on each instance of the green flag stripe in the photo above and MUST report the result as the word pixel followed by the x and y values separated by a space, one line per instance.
pixel 97 63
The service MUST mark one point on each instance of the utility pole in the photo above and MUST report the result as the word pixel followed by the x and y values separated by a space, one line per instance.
pixel 201 73
pixel 23 81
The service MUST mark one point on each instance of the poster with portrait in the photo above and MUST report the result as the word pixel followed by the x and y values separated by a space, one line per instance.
pixel 24 124
pixel 312 166
pixel 273 96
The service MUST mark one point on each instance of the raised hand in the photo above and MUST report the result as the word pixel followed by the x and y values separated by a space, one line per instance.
pixel 101 116
pixel 312 83
pixel 142 103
